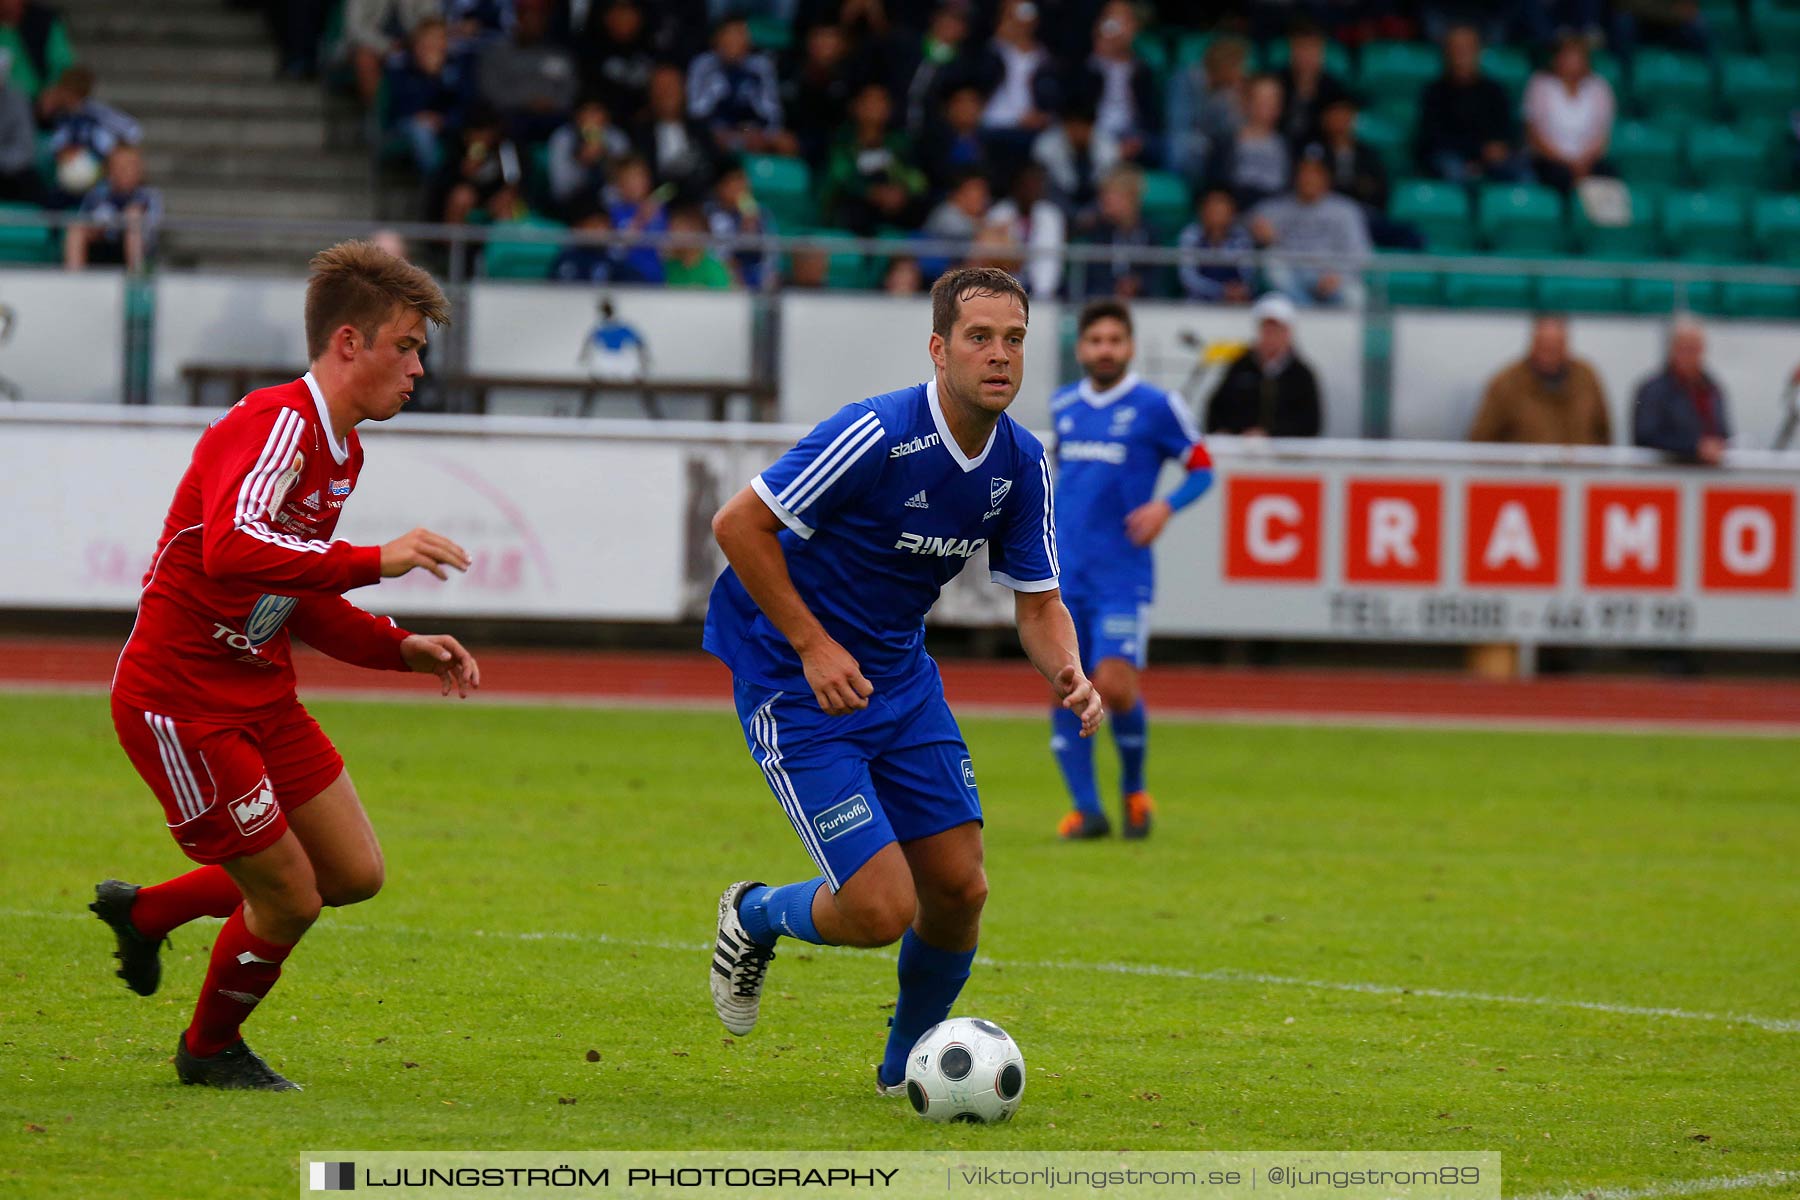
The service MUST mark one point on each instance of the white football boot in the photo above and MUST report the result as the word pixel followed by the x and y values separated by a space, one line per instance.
pixel 738 965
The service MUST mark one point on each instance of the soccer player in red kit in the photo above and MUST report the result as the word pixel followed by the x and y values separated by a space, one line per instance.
pixel 203 699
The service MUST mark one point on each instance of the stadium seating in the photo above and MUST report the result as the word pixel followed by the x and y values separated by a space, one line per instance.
pixel 1775 227
pixel 1167 205
pixel 1750 86
pixel 1705 226
pixel 1398 69
pixel 1521 219
pixel 1637 237
pixel 1663 81
pixel 783 185
pixel 1510 68
pixel 1719 156
pixel 1439 210
pixel 509 258
pixel 23 239
pixel 1645 153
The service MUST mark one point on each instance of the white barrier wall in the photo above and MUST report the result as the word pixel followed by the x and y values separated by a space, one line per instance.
pixel 539 329
pixel 609 521
pixel 60 336
pixel 252 320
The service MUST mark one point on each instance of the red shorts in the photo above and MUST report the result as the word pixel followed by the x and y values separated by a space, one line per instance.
pixel 225 788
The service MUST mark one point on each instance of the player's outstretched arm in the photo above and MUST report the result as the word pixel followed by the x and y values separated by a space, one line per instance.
pixel 422 548
pixel 442 655
pixel 1048 635
pixel 747 531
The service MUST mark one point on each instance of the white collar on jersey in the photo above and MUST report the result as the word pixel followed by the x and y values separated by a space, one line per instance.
pixel 943 427
pixel 1102 399
pixel 340 451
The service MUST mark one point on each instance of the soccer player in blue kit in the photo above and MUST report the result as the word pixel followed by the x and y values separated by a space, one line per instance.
pixel 1113 434
pixel 837 551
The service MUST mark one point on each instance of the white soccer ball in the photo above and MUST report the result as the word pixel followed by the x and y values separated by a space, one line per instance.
pixel 965 1069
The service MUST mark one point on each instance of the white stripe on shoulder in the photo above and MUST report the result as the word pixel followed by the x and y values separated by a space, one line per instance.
pixel 1184 420
pixel 1049 520
pixel 277 453
pixel 872 436
pixel 779 509
pixel 829 456
pixel 1024 585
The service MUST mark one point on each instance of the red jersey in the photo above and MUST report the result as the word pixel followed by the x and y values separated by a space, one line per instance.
pixel 246 556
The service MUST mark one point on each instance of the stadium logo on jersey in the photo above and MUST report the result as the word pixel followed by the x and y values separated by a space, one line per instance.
pixel 997 489
pixel 918 501
pixel 842 817
pixel 255 810
pixel 942 547
pixel 968 770
pixel 1106 452
pixel 914 446
pixel 340 487
pixel 267 617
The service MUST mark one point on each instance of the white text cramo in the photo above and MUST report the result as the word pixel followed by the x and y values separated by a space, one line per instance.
pixel 943 547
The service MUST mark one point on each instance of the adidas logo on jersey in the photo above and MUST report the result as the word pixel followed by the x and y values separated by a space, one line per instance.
pixel 918 501
pixel 313 501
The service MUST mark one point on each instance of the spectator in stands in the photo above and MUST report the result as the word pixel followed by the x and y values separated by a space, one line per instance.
pixel 1127 107
pixel 963 210
pixel 1307 88
pixel 1467 132
pixel 995 246
pixel 617 60
pixel 1313 221
pixel 1206 105
pixel 634 202
pixel 677 147
pixel 589 261
pixel 1019 76
pixel 20 182
pixel 1359 175
pixel 871 179
pixel 926 70
pixel 374 29
pixel 483 171
pixel 1032 220
pixel 732 213
pixel 1568 117
pixel 688 263
pixel 902 276
pixel 1254 163
pixel 1118 224
pixel 83 133
pixel 1681 410
pixel 1546 398
pixel 816 93
pixel 1216 228
pixel 1077 156
pixel 1268 391
pixel 809 270
pixel 956 144
pixel 427 95
pixel 734 92
pixel 527 78
pixel 37 39
pixel 118 218
pixel 581 155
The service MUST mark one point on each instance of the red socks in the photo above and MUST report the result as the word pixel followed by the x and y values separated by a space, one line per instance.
pixel 202 892
pixel 243 969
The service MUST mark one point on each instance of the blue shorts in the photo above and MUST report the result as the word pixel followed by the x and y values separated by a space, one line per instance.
pixel 897 770
pixel 1110 625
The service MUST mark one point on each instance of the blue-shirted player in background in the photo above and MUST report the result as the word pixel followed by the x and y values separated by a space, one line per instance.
pixel 1113 434
pixel 837 552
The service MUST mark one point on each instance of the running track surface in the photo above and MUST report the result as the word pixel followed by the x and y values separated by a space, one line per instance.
pixel 1340 697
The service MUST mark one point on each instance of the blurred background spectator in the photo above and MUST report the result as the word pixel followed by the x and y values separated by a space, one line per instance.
pixel 1121 86
pixel 1569 114
pixel 35 40
pixel 1307 88
pixel 1206 105
pixel 1254 162
pixel 1118 225
pixel 427 95
pixel 678 148
pixel 1313 220
pixel 20 182
pixel 1548 397
pixel 1216 227
pixel 1075 154
pixel 118 218
pixel 734 92
pixel 526 77
pixel 1681 409
pixel 1269 391
pixel 872 178
pixel 1016 71
pixel 581 155
pixel 1467 132
pixel 1033 220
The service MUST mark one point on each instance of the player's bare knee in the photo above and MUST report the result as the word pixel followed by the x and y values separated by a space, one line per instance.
pixel 878 920
pixel 964 897
pixel 355 888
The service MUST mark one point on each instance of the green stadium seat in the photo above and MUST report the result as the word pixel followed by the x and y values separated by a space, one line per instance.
pixel 1705 226
pixel 1467 289
pixel 1153 51
pixel 1390 139
pixel 24 238
pixel 1521 219
pixel 1607 66
pixel 774 34
pixel 783 185
pixel 1758 300
pixel 507 258
pixel 1337 58
pixel 1439 210
pixel 1419 289
pixel 1638 238
pixel 1509 67
pixel 1580 293
pixel 1725 25
pixel 1398 68
pixel 1190 48
pixel 1666 81
pixel 1777 28
pixel 1721 157
pixel 1167 205
pixel 1750 86
pixel 1645 153
pixel 1775 228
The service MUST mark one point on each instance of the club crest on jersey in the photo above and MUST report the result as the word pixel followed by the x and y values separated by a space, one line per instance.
pixel 997 489
pixel 267 616
pixel 1121 421
pixel 255 809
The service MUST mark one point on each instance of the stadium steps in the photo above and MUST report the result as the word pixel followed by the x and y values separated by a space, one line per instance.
pixel 173 25
pixel 204 164
pixel 119 61
pixel 274 203
pixel 200 95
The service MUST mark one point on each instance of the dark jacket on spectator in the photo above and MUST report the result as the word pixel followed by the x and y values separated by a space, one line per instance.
pixel 411 91
pixel 736 94
pixel 1087 83
pixel 1285 404
pixel 1461 119
pixel 1358 172
pixel 1668 415
pixel 1300 118
pixel 682 153
pixel 1105 276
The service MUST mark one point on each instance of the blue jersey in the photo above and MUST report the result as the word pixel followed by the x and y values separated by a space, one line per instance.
pixel 882 509
pixel 1110 447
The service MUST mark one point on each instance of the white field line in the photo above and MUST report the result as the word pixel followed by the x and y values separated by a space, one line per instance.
pixel 1184 716
pixel 1684 1187
pixel 1151 970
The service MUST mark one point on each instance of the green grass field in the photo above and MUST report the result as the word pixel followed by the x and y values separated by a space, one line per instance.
pixel 552 875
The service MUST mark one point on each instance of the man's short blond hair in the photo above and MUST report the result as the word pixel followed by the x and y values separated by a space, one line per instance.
pixel 359 284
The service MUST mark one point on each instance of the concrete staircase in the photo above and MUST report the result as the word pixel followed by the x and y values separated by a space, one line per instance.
pixel 222 136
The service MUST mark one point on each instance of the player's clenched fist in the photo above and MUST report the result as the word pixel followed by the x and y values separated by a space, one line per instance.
pixel 836 679
pixel 1077 695
pixel 422 548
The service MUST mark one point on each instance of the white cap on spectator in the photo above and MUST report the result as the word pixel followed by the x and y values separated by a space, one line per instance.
pixel 1273 306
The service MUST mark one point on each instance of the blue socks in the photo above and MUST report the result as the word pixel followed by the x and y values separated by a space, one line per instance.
pixel 1131 733
pixel 772 912
pixel 930 980
pixel 1075 755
